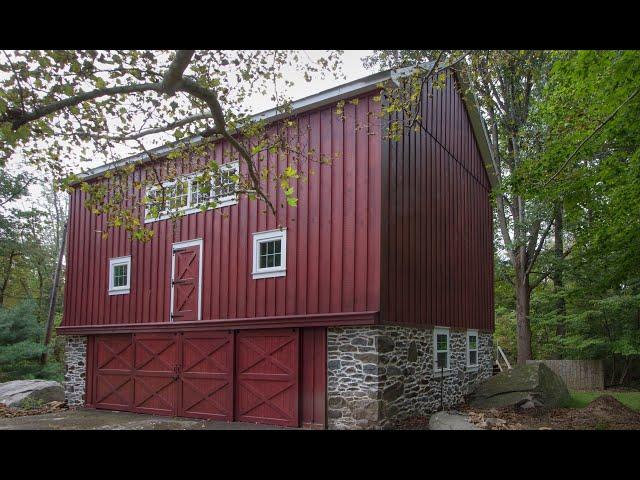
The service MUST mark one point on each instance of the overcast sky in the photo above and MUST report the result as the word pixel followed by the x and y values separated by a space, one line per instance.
pixel 351 67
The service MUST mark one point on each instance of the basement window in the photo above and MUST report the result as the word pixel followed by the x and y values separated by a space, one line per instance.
pixel 472 348
pixel 270 254
pixel 441 349
pixel 119 275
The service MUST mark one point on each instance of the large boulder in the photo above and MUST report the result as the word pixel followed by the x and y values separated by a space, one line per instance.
pixel 523 386
pixel 27 393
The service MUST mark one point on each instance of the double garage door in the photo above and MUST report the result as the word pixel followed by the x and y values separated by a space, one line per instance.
pixel 248 376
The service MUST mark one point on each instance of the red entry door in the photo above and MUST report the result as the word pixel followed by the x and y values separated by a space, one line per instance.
pixel 185 282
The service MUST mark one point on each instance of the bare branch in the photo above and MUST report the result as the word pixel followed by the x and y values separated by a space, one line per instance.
pixel 151 131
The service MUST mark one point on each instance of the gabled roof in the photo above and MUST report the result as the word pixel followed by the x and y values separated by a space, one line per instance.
pixel 326 97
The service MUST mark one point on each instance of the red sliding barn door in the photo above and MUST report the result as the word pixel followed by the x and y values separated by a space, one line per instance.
pixel 185 283
pixel 267 376
pixel 113 363
pixel 156 373
pixel 207 375
pixel 246 375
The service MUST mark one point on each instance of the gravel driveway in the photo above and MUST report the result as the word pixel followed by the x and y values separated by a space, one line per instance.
pixel 88 419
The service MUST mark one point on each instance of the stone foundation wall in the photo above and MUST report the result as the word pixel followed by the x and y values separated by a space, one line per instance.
pixel 381 375
pixel 75 364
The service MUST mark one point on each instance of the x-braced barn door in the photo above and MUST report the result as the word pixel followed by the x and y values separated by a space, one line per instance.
pixel 156 373
pixel 267 376
pixel 186 281
pixel 249 375
pixel 206 371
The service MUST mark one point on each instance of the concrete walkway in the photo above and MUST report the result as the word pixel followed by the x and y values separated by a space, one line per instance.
pixel 88 419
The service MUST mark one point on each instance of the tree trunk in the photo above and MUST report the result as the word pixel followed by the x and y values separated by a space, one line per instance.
pixel 54 295
pixel 612 379
pixel 625 370
pixel 7 275
pixel 558 248
pixel 523 300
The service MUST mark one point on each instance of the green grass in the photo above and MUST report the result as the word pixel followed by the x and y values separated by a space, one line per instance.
pixel 582 399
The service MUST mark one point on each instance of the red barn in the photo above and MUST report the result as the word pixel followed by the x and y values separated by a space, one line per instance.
pixel 350 310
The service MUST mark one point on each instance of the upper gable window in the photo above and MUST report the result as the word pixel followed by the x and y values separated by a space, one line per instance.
pixel 119 275
pixel 189 194
pixel 270 254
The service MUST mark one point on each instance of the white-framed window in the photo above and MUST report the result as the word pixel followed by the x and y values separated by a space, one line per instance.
pixel 270 254
pixel 441 354
pixel 190 194
pixel 119 275
pixel 472 348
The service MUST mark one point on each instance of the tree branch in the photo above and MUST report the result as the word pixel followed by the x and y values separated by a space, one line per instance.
pixel 19 118
pixel 150 131
pixel 535 255
pixel 169 84
pixel 175 72
pixel 539 280
pixel 591 135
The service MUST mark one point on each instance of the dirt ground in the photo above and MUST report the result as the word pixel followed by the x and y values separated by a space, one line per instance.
pixel 89 419
pixel 604 413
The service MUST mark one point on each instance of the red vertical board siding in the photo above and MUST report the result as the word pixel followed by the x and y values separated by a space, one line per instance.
pixel 437 244
pixel 292 227
pixel 313 377
pixel 326 210
pixel 333 235
pixel 349 206
pixel 337 209
pixel 373 127
pixel 313 238
pixel 303 218
pixel 361 177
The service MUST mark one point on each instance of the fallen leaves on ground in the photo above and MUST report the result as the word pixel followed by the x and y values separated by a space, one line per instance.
pixel 604 413
pixel 10 412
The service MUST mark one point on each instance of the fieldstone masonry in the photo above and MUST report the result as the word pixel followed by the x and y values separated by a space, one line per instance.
pixel 381 375
pixel 75 361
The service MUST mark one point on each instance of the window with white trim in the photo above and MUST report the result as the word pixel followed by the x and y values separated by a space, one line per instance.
pixel 472 348
pixel 193 193
pixel 119 275
pixel 441 349
pixel 270 254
